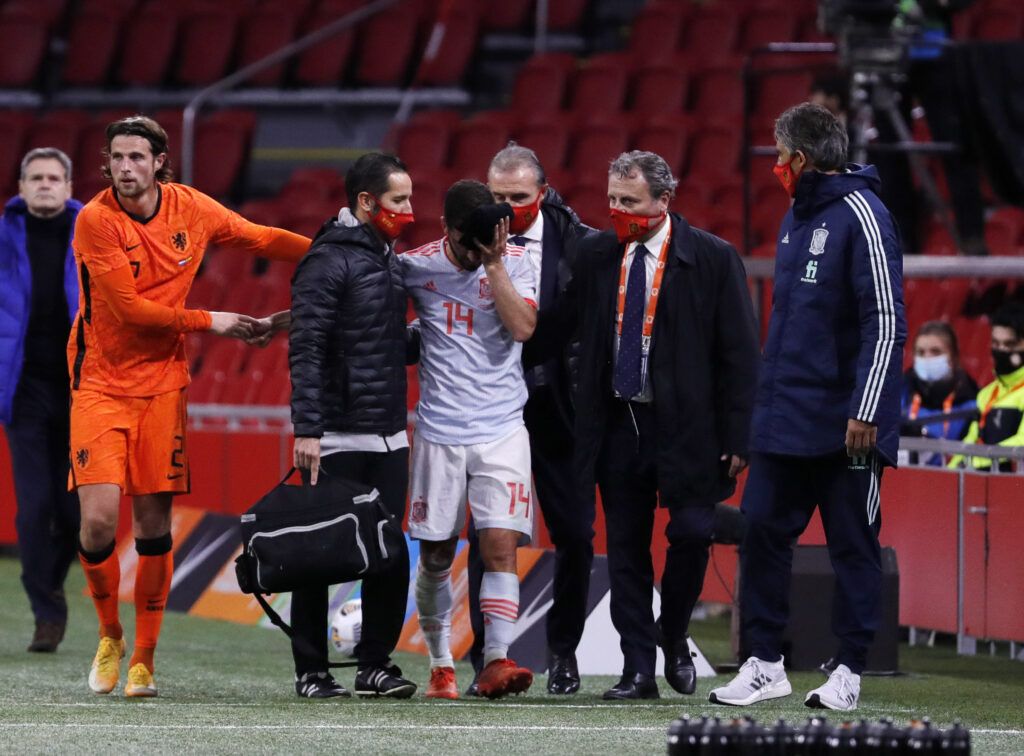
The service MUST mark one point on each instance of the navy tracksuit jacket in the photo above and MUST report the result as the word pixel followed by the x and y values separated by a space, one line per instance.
pixel 834 352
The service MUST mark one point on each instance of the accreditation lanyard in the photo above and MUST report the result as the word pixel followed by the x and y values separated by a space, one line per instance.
pixel 947 405
pixel 993 399
pixel 652 301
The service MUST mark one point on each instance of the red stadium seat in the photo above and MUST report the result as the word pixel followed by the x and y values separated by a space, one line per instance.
pixel 999 24
pixel 659 89
pixel 423 144
pixel 14 126
pixel 264 31
pixel 654 37
pixel 60 129
pixel 222 144
pixel 394 32
pixel 474 144
pixel 730 230
pixel 600 86
pixel 549 140
pixel 666 137
pixel 764 25
pixel 94 38
pixel 1004 231
pixel 508 15
pixel 591 204
pixel 22 45
pixel 148 42
pixel 714 153
pixel 48 12
pixel 718 93
pixel 228 266
pixel 595 146
pixel 325 63
pixel 456 48
pixel 566 15
pixel 206 42
pixel 541 83
pixel 778 91
pixel 709 35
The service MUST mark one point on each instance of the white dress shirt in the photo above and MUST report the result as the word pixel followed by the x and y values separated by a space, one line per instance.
pixel 534 244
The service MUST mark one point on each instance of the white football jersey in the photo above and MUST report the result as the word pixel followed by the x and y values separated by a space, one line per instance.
pixel 471 377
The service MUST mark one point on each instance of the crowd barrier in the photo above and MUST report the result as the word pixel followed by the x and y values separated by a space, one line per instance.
pixel 957 534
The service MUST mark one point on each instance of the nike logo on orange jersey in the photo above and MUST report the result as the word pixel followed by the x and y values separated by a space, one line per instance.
pixel 129 249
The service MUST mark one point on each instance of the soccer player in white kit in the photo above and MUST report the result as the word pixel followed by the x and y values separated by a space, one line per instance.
pixel 476 303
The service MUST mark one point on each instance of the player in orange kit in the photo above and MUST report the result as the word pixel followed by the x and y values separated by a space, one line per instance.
pixel 138 246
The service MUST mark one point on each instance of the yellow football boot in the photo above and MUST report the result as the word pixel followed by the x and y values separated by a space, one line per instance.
pixel 140 682
pixel 106 665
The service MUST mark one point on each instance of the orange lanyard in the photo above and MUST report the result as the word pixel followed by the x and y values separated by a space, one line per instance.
pixel 652 302
pixel 993 399
pixel 947 405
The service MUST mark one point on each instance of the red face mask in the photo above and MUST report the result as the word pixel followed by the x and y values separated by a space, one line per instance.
pixel 388 222
pixel 630 227
pixel 524 216
pixel 787 176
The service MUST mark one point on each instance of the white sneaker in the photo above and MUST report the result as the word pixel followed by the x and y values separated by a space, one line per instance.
pixel 840 692
pixel 757 681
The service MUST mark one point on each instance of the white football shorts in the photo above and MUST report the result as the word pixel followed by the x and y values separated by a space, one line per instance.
pixel 494 476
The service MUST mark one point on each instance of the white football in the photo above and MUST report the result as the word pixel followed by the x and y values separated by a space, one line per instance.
pixel 346 626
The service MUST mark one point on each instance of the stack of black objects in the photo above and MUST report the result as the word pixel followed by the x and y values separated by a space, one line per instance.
pixel 743 736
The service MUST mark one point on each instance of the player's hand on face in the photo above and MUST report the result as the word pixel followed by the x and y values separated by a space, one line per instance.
pixel 306 456
pixel 233 325
pixel 491 254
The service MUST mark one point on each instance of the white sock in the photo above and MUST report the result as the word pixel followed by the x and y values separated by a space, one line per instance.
pixel 499 603
pixel 434 604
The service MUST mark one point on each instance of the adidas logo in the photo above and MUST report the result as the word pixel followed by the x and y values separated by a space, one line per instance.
pixel 785 239
pixel 430 286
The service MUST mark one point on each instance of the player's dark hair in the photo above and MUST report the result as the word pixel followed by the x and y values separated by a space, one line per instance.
pixel 148 129
pixel 1010 315
pixel 814 131
pixel 371 173
pixel 462 198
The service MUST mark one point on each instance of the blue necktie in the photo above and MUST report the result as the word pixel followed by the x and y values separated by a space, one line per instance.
pixel 626 380
pixel 519 241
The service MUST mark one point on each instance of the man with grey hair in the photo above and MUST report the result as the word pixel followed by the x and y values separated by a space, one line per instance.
pixel 667 367
pixel 827 417
pixel 551 233
pixel 40 285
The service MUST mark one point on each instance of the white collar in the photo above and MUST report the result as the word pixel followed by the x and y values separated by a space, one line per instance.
pixel 536 230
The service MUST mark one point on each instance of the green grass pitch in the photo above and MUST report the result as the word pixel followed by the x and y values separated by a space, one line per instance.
pixel 228 689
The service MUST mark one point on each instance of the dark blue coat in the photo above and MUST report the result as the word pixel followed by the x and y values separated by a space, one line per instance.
pixel 837 329
pixel 16 295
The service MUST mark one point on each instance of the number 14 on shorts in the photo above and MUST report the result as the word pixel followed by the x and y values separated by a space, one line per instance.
pixel 518 494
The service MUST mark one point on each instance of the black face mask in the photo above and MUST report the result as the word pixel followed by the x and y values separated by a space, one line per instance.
pixel 1005 363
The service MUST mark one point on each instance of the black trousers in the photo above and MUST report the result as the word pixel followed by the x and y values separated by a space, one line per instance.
pixel 778 501
pixel 570 521
pixel 384 596
pixel 48 516
pixel 628 481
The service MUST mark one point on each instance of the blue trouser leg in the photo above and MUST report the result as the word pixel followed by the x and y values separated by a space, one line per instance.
pixel 778 500
pixel 47 519
pixel 851 516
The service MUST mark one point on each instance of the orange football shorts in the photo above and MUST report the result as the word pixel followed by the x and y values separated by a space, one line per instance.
pixel 137 443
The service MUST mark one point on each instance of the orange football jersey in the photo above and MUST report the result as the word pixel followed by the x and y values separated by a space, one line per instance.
pixel 163 253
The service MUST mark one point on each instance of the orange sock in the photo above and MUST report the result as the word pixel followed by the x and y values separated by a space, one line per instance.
pixel 104 578
pixel 152 584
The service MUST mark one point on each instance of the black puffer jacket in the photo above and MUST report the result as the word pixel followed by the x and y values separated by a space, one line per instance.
pixel 348 342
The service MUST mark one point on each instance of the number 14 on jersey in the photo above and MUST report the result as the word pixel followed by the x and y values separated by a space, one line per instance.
pixel 458 314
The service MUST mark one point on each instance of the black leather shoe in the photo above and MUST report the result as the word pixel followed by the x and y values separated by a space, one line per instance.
pixel 473 691
pixel 680 672
pixel 633 687
pixel 563 675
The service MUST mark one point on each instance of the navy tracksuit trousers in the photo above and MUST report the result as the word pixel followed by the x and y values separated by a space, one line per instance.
pixel 778 501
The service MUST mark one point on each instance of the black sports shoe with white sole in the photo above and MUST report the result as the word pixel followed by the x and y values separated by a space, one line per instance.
pixel 319 685
pixel 378 680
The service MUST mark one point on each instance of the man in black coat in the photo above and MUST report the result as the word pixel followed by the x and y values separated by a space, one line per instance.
pixel 550 232
pixel 348 347
pixel 667 371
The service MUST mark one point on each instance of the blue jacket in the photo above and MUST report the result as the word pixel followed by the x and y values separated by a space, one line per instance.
pixel 837 329
pixel 16 299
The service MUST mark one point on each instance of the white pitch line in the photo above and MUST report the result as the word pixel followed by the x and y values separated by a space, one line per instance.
pixel 473 728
